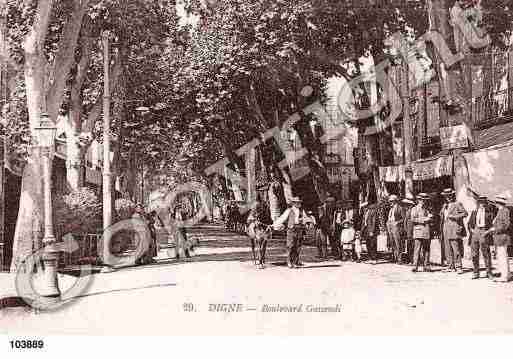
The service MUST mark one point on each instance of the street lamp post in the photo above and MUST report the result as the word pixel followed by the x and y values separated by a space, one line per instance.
pixel 106 175
pixel 142 111
pixel 46 140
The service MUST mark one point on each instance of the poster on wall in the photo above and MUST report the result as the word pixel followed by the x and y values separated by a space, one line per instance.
pixel 453 137
pixel 340 174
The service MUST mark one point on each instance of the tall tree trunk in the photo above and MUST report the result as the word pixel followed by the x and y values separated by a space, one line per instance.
pixel 30 218
pixel 75 164
pixel 29 226
pixel 28 232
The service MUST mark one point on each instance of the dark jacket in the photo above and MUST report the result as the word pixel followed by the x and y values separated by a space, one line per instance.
pixel 472 225
pixel 326 217
pixel 399 215
pixel 369 222
pixel 489 216
pixel 408 224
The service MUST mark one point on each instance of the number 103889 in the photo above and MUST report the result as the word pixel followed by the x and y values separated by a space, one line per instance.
pixel 27 344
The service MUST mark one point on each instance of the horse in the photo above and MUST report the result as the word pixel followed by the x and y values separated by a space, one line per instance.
pixel 259 234
pixel 235 220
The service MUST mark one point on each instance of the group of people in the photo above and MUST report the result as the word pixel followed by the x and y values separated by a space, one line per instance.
pixel 411 225
pixel 297 223
pixel 151 220
pixel 177 216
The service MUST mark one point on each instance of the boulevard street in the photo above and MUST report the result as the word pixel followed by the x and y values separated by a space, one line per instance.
pixel 219 291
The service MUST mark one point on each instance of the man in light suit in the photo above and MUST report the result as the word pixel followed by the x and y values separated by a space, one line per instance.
pixel 295 219
pixel 395 227
pixel 421 218
pixel 452 229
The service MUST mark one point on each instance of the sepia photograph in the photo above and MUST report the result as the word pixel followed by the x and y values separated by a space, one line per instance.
pixel 255 168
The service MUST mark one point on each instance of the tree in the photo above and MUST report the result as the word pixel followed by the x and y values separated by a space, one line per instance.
pixel 249 61
pixel 56 44
pixel 44 78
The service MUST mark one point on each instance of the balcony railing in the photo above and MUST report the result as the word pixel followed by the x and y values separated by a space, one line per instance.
pixel 493 109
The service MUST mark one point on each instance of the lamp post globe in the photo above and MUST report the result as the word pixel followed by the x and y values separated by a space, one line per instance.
pixel 45 134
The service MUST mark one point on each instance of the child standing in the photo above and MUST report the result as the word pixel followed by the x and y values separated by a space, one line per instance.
pixel 350 249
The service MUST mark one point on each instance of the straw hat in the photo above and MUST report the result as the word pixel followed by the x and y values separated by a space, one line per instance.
pixel 409 200
pixel 393 198
pixel 423 196
pixel 448 192
pixel 501 199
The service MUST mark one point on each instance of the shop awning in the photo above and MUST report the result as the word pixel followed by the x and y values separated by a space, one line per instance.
pixel 431 168
pixel 494 135
pixel 426 169
pixel 491 171
pixel 391 173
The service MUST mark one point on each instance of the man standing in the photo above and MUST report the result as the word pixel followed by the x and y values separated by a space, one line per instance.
pixel 421 219
pixel 369 232
pixel 326 218
pixel 501 237
pixel 178 217
pixel 147 256
pixel 395 227
pixel 452 229
pixel 479 223
pixel 409 203
pixel 338 217
pixel 294 219
pixel 275 196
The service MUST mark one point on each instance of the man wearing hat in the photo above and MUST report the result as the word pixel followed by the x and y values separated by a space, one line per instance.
pixel 452 229
pixel 338 217
pixel 294 218
pixel 421 218
pixel 501 237
pixel 408 203
pixel 369 231
pixel 348 242
pixel 326 218
pixel 395 226
pixel 479 223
